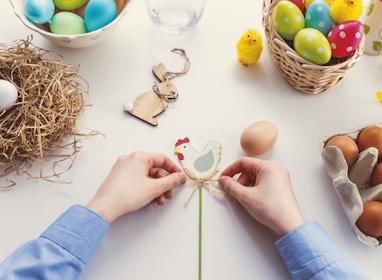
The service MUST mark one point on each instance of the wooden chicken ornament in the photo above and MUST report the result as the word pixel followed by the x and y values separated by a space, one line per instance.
pixel 200 166
pixel 150 104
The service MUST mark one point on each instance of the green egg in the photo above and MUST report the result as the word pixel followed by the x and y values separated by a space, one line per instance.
pixel 68 5
pixel 312 45
pixel 288 19
pixel 67 23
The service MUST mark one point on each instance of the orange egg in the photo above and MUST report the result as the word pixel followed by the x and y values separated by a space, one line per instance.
pixel 81 10
pixel 120 5
pixel 370 221
pixel 370 136
pixel 376 176
pixel 347 146
pixel 258 137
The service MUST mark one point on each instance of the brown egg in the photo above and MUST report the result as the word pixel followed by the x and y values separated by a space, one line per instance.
pixel 376 176
pixel 81 10
pixel 258 137
pixel 120 5
pixel 347 146
pixel 370 136
pixel 370 221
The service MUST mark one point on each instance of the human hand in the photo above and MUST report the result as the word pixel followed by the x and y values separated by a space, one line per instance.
pixel 264 189
pixel 134 181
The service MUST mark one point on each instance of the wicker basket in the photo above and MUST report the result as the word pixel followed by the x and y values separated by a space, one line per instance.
pixel 300 73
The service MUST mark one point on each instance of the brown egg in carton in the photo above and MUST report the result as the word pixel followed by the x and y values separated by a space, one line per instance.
pixel 353 184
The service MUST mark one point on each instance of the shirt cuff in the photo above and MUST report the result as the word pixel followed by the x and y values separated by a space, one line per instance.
pixel 79 231
pixel 307 250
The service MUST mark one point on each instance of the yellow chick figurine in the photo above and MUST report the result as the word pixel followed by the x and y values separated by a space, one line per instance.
pixel 345 10
pixel 249 47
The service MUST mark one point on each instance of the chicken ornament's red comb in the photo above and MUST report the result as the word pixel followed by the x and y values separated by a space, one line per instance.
pixel 182 141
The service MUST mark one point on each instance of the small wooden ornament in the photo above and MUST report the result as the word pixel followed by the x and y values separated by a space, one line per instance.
pixel 160 72
pixel 200 166
pixel 150 104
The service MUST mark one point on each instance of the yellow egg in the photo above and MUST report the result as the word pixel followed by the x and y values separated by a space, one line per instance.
pixel 67 5
pixel 258 137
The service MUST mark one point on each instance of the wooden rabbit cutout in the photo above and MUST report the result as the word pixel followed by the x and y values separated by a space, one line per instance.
pixel 150 104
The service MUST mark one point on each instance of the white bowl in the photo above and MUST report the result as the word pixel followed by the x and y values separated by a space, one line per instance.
pixel 70 41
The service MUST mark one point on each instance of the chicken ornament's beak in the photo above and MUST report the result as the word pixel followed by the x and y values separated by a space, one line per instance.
pixel 180 155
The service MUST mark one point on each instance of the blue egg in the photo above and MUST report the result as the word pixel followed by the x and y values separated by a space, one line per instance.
pixel 99 13
pixel 317 16
pixel 39 11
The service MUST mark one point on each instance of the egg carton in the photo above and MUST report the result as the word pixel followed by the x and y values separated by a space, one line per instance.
pixel 353 185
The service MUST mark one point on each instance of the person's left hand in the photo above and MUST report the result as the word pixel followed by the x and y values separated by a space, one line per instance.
pixel 133 182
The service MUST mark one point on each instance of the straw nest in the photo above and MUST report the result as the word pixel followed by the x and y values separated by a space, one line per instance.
pixel 41 124
pixel 303 75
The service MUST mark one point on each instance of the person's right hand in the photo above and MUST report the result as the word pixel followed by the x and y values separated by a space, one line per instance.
pixel 264 189
pixel 134 181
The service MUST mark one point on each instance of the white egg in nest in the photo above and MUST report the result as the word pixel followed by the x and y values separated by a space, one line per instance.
pixel 8 95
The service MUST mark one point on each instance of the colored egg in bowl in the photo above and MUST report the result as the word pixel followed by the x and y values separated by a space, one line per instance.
pixel 62 17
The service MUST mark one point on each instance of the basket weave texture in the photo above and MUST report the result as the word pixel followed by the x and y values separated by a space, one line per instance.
pixel 301 74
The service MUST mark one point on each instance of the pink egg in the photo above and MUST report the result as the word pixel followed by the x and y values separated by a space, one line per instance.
pixel 345 37
pixel 300 4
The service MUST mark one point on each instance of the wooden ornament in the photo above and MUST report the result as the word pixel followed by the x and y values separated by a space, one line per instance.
pixel 150 104
pixel 160 72
pixel 200 166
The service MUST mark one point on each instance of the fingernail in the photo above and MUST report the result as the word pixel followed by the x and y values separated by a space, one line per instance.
pixel 222 180
pixel 182 177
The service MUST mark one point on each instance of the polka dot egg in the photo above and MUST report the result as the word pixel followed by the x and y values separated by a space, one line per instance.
pixel 318 16
pixel 345 38
pixel 312 45
pixel 288 19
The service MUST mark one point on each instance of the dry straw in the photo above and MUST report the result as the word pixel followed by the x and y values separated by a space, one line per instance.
pixel 298 72
pixel 41 125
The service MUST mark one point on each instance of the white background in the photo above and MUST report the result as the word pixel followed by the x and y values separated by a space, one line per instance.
pixel 218 98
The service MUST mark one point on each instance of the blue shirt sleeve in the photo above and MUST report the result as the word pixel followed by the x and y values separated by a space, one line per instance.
pixel 310 253
pixel 62 250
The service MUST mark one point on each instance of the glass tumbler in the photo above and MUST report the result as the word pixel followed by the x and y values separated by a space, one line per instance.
pixel 175 16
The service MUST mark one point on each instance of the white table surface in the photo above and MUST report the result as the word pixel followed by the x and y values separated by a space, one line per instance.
pixel 218 99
